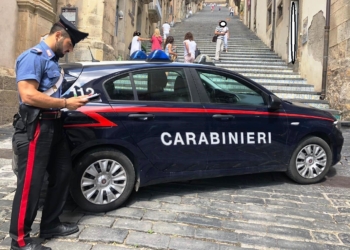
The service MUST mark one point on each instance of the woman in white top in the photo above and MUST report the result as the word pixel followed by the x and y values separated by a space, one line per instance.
pixel 136 42
pixel 189 48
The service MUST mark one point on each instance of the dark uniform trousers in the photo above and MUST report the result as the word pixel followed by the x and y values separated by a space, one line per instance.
pixel 48 151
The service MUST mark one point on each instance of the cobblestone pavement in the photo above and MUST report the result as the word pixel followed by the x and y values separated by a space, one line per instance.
pixel 259 211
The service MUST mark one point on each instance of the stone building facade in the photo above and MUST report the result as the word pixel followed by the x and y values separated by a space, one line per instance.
pixel 272 21
pixel 110 24
pixel 338 84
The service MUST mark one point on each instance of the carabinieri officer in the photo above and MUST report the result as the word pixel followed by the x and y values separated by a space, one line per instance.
pixel 39 140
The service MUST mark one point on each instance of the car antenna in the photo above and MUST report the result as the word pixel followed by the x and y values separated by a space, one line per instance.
pixel 93 59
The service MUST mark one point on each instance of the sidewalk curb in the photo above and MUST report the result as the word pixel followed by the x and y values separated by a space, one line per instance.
pixel 345 124
pixel 6 125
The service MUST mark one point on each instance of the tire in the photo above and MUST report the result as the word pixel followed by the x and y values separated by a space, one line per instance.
pixel 92 186
pixel 305 167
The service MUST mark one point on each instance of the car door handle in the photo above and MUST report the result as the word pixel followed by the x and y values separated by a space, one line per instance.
pixel 223 117
pixel 142 117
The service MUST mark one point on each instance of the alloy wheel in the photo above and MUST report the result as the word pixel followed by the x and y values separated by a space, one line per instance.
pixel 311 161
pixel 103 181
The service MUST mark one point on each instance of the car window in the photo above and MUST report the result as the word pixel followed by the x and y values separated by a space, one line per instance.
pixel 221 88
pixel 119 88
pixel 162 85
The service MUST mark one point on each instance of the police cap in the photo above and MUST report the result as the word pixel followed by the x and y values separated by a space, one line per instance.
pixel 75 35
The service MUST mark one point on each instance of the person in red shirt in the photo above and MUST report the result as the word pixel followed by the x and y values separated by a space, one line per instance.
pixel 156 40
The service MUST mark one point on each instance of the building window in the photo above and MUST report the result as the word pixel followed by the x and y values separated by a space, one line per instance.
pixel 280 10
pixel 269 15
pixel 279 13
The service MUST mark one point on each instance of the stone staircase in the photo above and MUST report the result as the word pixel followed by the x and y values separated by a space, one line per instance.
pixel 247 55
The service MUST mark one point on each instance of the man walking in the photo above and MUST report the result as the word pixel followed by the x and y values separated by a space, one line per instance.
pixel 166 30
pixel 231 11
pixel 220 31
pixel 39 140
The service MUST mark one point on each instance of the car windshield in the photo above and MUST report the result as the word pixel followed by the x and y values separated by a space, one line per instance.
pixel 225 89
pixel 224 83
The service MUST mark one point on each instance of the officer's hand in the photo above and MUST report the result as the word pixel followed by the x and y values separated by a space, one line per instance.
pixel 74 103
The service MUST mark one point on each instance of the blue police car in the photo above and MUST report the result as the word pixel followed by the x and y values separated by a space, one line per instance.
pixel 157 121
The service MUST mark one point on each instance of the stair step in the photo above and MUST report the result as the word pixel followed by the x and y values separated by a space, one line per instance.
pixel 224 59
pixel 297 95
pixel 224 56
pixel 240 53
pixel 262 70
pixel 249 56
pixel 252 66
pixel 320 104
pixel 230 48
pixel 205 45
pixel 272 76
pixel 262 81
pixel 250 63
pixel 289 87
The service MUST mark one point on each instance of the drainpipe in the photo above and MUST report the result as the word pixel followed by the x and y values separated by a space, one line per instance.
pixel 325 51
pixel 273 25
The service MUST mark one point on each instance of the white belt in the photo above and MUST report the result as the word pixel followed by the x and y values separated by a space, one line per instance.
pixel 55 87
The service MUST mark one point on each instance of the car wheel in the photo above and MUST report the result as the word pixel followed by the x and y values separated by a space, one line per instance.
pixel 102 180
pixel 310 161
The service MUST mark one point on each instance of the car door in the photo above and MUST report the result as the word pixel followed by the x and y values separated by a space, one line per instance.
pixel 164 119
pixel 244 133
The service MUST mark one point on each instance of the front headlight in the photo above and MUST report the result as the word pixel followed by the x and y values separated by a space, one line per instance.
pixel 337 124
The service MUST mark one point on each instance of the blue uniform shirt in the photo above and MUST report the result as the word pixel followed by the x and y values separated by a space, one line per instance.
pixel 39 63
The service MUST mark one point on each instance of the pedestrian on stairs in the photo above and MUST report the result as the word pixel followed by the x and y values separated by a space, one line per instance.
pixel 189 48
pixel 156 40
pixel 166 30
pixel 168 48
pixel 231 11
pixel 136 42
pixel 220 31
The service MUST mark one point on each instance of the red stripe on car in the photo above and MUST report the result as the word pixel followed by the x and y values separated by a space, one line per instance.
pixel 103 122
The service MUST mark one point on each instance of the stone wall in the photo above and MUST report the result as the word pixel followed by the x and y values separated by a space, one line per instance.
pixel 8 12
pixel 8 96
pixel 338 79
pixel 26 22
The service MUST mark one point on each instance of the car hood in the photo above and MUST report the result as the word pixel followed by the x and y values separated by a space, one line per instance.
pixel 302 108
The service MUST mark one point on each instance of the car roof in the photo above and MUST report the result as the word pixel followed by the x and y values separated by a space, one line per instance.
pixel 136 63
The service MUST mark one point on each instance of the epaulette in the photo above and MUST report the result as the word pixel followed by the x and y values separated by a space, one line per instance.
pixel 36 51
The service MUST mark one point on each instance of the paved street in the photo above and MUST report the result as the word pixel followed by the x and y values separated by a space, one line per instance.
pixel 253 211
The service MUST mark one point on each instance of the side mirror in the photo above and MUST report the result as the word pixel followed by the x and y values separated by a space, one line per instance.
pixel 274 102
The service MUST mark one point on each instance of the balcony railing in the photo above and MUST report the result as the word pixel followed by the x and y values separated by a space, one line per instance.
pixel 154 11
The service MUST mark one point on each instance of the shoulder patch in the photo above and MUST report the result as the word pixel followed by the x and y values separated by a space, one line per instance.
pixel 36 51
